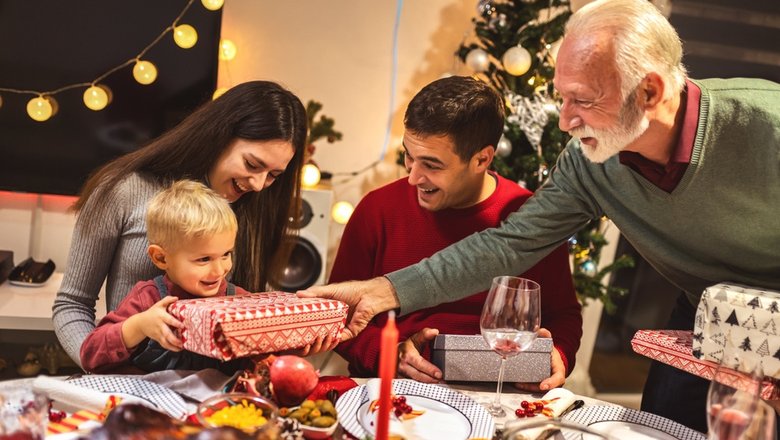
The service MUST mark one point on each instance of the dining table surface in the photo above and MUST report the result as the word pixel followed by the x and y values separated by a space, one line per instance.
pixel 482 393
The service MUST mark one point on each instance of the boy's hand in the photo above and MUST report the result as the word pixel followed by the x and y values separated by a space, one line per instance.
pixel 154 323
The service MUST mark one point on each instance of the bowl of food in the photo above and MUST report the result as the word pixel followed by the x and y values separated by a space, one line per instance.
pixel 317 418
pixel 252 414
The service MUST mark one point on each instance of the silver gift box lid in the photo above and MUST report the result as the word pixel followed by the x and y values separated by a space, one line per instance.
pixel 477 343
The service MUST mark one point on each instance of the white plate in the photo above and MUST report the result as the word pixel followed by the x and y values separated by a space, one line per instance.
pixel 628 424
pixel 137 390
pixel 448 414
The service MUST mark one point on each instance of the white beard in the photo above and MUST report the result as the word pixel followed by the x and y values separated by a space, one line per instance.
pixel 610 141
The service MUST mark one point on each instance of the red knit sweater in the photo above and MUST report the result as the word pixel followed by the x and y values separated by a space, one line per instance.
pixel 389 231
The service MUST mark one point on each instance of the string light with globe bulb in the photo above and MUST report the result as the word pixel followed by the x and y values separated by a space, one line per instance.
pixel 227 50
pixel 341 212
pixel 97 97
pixel 185 36
pixel 212 5
pixel 310 176
pixel 43 106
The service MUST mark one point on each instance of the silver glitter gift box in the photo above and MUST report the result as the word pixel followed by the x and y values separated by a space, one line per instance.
pixel 468 358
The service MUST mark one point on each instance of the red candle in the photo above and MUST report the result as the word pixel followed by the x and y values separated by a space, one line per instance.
pixel 387 362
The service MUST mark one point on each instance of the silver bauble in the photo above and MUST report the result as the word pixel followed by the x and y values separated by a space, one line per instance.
pixel 504 147
pixel 477 60
pixel 516 60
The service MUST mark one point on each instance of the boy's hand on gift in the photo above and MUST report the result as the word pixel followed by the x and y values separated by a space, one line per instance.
pixel 411 364
pixel 557 369
pixel 154 323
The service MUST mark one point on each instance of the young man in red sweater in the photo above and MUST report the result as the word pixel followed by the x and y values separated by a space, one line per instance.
pixel 452 127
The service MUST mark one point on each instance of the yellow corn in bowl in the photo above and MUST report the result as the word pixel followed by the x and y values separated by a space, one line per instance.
pixel 246 412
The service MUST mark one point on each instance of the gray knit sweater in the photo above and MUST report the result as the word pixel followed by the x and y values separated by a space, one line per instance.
pixel 721 222
pixel 109 244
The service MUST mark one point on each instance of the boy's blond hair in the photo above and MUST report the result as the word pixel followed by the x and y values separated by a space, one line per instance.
pixel 185 210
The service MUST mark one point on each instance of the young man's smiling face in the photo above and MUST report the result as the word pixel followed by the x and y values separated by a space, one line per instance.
pixel 442 178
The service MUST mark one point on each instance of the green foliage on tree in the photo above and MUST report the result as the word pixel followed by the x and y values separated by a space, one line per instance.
pixel 537 25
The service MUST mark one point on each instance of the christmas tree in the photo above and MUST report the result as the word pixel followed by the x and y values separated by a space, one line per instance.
pixel 515 53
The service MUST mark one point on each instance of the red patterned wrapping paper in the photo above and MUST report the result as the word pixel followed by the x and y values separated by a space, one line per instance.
pixel 245 325
pixel 675 348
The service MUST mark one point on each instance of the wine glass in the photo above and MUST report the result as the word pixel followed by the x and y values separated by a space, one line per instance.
pixel 509 321
pixel 733 398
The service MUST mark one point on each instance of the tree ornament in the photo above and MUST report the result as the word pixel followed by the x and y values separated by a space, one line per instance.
pixel 504 147
pixel 497 21
pixel 543 172
pixel 477 60
pixel 485 7
pixel 588 267
pixel 516 60
pixel 572 243
pixel 529 114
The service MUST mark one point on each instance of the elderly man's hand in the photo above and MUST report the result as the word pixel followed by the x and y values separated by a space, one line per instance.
pixel 365 299
pixel 557 370
pixel 411 364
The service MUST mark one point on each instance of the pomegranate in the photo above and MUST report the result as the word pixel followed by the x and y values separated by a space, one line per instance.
pixel 292 379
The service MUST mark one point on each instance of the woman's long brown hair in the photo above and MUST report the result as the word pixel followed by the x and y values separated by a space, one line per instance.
pixel 256 110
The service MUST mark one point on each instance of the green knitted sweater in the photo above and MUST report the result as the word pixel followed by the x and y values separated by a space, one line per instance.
pixel 721 222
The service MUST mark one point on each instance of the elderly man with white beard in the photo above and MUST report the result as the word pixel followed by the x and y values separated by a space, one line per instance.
pixel 689 170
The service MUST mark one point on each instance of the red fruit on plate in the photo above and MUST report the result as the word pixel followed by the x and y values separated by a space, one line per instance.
pixel 292 379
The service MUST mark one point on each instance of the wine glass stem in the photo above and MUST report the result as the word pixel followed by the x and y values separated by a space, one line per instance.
pixel 497 402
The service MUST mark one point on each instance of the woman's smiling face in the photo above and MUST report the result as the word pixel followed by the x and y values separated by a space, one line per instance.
pixel 248 165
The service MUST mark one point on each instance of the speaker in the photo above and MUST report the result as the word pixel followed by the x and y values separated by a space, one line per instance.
pixel 307 263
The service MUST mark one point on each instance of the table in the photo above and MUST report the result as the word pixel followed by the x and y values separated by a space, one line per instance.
pixel 483 393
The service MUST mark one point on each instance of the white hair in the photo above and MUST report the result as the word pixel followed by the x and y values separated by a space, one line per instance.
pixel 644 39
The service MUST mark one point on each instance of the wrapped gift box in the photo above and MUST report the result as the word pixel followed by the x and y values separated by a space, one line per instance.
pixel 244 325
pixel 675 348
pixel 739 321
pixel 469 358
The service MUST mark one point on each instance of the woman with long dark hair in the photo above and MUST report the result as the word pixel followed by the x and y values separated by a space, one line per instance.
pixel 247 145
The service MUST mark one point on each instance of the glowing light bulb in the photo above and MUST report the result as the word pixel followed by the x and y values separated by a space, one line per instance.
pixel 1 101
pixel 185 36
pixel 42 108
pixel 97 97
pixel 310 176
pixel 227 49
pixel 341 212
pixel 219 92
pixel 144 72
pixel 212 5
